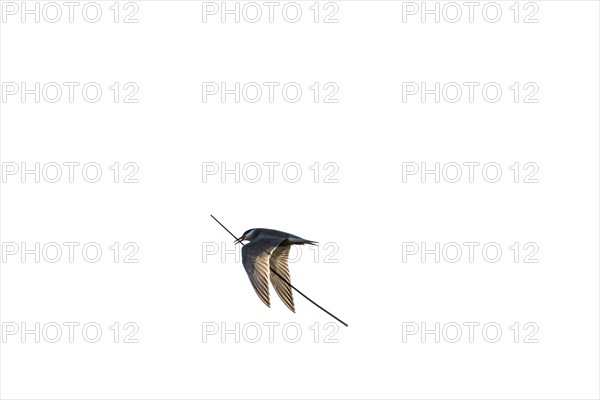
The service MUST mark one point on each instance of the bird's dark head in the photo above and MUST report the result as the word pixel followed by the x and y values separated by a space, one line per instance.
pixel 249 235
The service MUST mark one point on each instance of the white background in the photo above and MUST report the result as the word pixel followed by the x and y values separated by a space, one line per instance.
pixel 368 214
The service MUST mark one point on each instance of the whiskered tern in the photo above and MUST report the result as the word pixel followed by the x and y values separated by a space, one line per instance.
pixel 266 252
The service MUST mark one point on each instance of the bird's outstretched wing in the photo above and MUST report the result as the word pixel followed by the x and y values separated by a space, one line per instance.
pixel 279 263
pixel 255 257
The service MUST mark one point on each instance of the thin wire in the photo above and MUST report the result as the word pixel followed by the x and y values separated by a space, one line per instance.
pixel 285 280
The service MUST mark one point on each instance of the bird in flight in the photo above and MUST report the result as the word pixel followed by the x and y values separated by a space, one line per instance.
pixel 265 259
pixel 258 263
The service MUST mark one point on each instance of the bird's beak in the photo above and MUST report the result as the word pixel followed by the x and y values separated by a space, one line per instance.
pixel 239 240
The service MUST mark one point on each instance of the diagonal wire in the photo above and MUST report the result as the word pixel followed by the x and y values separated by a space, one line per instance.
pixel 285 280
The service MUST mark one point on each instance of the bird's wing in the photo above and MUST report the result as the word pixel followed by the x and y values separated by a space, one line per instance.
pixel 255 257
pixel 279 264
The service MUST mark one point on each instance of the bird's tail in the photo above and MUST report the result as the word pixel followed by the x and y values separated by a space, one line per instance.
pixel 298 240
